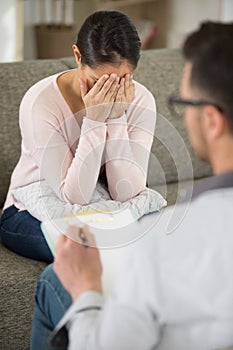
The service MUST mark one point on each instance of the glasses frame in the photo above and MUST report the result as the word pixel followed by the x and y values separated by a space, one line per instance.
pixel 172 100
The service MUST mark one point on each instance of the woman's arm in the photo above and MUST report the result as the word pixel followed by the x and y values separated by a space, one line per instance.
pixel 128 146
pixel 67 157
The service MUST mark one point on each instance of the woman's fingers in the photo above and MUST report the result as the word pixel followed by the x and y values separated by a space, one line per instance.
pixel 108 89
pixel 83 87
pixel 127 82
pixel 99 98
pixel 129 88
pixel 104 90
pixel 99 85
pixel 107 86
pixel 114 96
pixel 121 90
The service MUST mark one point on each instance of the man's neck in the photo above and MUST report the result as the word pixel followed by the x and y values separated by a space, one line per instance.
pixel 222 157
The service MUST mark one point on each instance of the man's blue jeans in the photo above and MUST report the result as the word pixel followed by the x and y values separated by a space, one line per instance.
pixel 21 233
pixel 51 302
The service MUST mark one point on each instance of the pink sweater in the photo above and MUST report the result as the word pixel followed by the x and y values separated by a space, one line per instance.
pixel 55 148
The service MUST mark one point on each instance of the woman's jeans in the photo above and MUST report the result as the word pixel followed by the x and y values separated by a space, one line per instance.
pixel 21 233
pixel 51 303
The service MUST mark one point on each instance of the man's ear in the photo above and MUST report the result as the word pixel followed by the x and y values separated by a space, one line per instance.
pixel 215 123
pixel 77 54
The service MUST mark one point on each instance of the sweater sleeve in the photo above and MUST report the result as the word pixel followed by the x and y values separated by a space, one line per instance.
pixel 128 145
pixel 67 157
pixel 127 320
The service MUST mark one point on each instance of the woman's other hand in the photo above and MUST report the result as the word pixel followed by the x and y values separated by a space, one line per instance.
pixel 99 99
pixel 124 96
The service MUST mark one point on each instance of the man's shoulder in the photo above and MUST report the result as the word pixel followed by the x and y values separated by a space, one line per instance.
pixel 190 222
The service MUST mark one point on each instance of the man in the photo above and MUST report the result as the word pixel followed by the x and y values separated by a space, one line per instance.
pixel 177 292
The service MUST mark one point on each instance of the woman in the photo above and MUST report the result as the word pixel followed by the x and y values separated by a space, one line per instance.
pixel 77 123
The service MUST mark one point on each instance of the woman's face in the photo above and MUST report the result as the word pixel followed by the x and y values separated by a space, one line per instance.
pixel 91 76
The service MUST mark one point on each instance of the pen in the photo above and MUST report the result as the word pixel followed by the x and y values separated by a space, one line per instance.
pixel 84 240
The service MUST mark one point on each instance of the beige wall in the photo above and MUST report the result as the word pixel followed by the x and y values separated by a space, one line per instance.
pixel 11 28
pixel 227 10
pixel 175 18
pixel 186 15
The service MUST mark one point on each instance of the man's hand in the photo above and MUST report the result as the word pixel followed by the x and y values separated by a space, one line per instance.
pixel 99 99
pixel 123 97
pixel 78 266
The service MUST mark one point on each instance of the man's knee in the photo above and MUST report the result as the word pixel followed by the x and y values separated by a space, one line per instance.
pixel 48 274
pixel 50 290
pixel 45 282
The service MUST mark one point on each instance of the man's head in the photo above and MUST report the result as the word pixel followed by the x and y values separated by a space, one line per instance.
pixel 208 79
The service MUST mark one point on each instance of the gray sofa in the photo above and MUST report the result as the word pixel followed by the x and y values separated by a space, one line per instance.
pixel 160 71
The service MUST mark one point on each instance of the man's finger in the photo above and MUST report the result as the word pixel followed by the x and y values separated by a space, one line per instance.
pixel 89 236
pixel 80 235
pixel 72 232
pixel 60 243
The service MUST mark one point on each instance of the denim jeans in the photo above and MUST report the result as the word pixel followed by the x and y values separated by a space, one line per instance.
pixel 21 233
pixel 51 303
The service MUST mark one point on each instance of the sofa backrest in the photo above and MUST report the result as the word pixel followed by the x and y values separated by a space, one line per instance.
pixel 158 70
pixel 15 79
pixel 161 71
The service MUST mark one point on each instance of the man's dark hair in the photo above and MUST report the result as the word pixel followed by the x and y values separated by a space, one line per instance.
pixel 108 37
pixel 210 51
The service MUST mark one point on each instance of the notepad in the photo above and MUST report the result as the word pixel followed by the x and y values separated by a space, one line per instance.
pixel 113 231
pixel 109 228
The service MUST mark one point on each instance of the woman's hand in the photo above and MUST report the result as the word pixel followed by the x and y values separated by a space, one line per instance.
pixel 124 96
pixel 99 99
pixel 78 266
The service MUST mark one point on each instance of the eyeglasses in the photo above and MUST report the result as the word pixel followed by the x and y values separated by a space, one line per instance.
pixel 177 105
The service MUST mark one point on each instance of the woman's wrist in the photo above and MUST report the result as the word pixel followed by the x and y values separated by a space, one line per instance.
pixel 96 119
pixel 120 119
